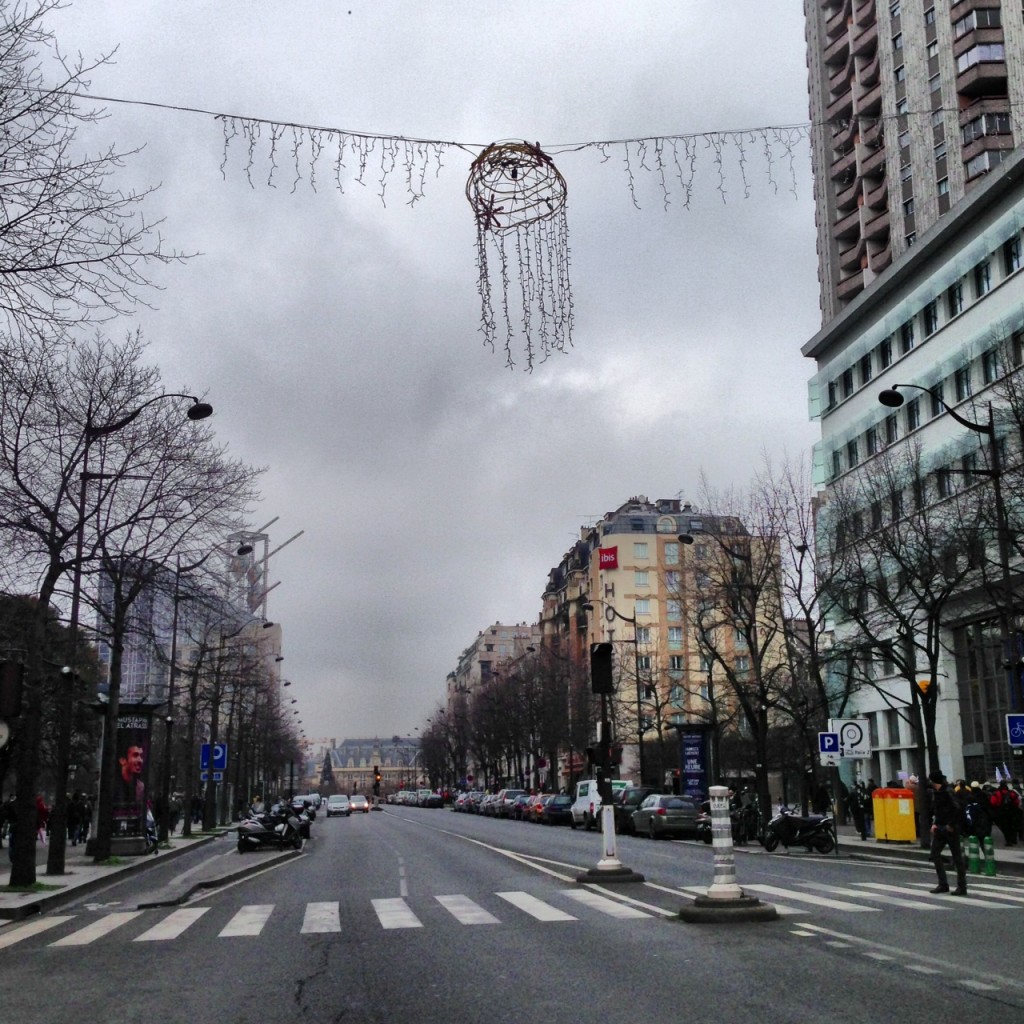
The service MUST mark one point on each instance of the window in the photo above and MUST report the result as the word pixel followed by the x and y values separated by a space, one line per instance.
pixel 983 163
pixel 896 505
pixel 640 549
pixel 940 150
pixel 902 106
pixel 968 466
pixel 897 41
pixel 913 414
pixel 904 140
pixel 943 482
pixel 674 610
pixel 982 278
pixel 900 74
pixel 847 383
pixel 642 606
pixel 743 663
pixel 672 553
pixel 932 49
pixel 985 124
pixel 962 383
pixel 989 365
pixel 1011 255
pixel 910 238
pixel 985 17
pixel 643 634
pixel 983 53
pixel 885 353
pixel 675 637
pixel 865 369
pixel 640 577
pixel 908 207
pixel 837 464
pixel 929 16
pixel 931 318
pixel 938 405
pixel 935 82
pixel 852 457
pixel 876 515
pixel 871 440
pixel 673 581
pixel 955 299
pixel 906 172
pixel 892 429
pixel 894 9
pixel 943 186
pixel 675 663
pixel 833 394
pixel 907 336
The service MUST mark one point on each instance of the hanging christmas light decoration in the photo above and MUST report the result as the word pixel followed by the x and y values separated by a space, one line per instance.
pixel 518 197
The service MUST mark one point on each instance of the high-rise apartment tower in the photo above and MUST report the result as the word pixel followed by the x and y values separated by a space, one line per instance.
pixel 912 102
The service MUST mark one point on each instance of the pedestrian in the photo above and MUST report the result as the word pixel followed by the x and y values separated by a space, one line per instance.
pixel 979 813
pixel 859 809
pixel 42 819
pixel 174 808
pixel 1006 811
pixel 821 802
pixel 946 831
pixel 196 807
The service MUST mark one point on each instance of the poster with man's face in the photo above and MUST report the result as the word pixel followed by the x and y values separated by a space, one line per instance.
pixel 131 776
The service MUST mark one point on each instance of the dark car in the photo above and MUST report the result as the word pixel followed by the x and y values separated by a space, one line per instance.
pixel 665 815
pixel 625 803
pixel 557 811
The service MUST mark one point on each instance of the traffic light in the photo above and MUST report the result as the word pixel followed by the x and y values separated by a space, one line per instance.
pixel 376 773
pixel 601 668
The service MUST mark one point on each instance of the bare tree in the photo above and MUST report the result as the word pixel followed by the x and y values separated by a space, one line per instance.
pixel 72 245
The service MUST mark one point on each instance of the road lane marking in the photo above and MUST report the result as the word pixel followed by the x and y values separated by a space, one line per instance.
pixel 320 918
pixel 249 920
pixel 944 897
pixel 988 891
pixel 395 913
pixel 465 911
pixel 806 897
pixel 534 907
pixel 96 930
pixel 893 901
pixel 602 903
pixel 26 931
pixel 172 925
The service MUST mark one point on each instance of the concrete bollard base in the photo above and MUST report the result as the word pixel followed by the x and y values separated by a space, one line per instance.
pixel 609 876
pixel 708 910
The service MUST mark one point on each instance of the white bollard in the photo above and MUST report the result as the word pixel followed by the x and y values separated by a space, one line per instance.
pixel 610 859
pixel 724 885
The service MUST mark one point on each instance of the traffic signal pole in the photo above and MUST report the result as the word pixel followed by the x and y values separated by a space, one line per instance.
pixel 609 868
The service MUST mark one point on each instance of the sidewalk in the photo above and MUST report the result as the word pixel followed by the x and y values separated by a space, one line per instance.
pixel 82 875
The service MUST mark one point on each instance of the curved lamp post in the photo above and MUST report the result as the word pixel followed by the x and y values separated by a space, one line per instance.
pixel 893 400
pixel 55 857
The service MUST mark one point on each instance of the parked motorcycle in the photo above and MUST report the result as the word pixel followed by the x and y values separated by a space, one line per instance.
pixel 815 832
pixel 275 830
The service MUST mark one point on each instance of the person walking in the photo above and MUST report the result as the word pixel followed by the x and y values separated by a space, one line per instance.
pixel 945 831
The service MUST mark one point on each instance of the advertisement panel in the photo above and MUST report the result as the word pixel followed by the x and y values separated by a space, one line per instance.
pixel 132 775
pixel 693 761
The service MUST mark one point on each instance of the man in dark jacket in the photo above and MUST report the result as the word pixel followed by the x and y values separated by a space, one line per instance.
pixel 946 831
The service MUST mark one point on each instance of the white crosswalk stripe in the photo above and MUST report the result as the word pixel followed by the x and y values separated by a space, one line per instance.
pixel 464 910
pixel 808 897
pixel 27 931
pixel 248 921
pixel 395 913
pixel 173 925
pixel 610 907
pixel 534 907
pixel 97 929
pixel 962 901
pixel 321 918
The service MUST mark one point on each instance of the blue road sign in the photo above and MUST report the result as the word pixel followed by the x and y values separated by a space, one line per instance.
pixel 220 757
pixel 1015 730
pixel 828 743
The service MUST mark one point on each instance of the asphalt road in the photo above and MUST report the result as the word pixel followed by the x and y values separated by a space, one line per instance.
pixel 423 917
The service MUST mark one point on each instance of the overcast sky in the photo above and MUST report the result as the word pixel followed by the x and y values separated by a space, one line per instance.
pixel 337 337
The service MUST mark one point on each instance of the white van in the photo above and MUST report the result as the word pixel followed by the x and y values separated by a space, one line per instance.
pixel 586 808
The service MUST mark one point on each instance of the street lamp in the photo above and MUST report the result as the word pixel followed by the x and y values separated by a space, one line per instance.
pixel 893 400
pixel 55 859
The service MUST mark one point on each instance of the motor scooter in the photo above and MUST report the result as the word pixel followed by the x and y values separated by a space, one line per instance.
pixel 815 832
pixel 274 830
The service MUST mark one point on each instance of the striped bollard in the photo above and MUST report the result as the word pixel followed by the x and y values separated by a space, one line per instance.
pixel 973 855
pixel 725 901
pixel 990 858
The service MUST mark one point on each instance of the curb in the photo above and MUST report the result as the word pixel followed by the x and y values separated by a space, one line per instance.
pixel 37 904
pixel 215 882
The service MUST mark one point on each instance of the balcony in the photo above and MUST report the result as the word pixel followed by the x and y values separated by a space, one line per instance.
pixel 869 102
pixel 867 76
pixel 839 19
pixel 852 259
pixel 841 107
pixel 844 165
pixel 848 196
pixel 877 226
pixel 839 49
pixel 844 134
pixel 871 132
pixel 878 197
pixel 873 161
pixel 847 226
pixel 865 39
pixel 982 79
pixel 850 288
pixel 881 259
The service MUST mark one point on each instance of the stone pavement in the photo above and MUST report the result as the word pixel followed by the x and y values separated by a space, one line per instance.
pixel 82 875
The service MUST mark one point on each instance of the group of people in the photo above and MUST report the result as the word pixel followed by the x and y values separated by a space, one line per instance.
pixel 78 813
pixel 987 806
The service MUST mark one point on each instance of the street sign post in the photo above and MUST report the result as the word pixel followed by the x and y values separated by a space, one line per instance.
pixel 854 739
pixel 828 748
pixel 1015 730
pixel 220 758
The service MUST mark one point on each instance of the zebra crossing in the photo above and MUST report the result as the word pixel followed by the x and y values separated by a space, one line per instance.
pixel 321 918
pixel 874 897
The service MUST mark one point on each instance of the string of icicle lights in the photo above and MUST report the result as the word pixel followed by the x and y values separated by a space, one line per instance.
pixel 522 259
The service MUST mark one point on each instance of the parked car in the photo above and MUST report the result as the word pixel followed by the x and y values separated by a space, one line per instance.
pixel 338 803
pixel 360 803
pixel 488 805
pixel 586 807
pixel 536 806
pixel 663 814
pixel 626 801
pixel 504 801
pixel 520 809
pixel 558 810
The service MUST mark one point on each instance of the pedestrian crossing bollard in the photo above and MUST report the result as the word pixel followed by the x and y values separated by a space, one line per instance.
pixel 725 900
pixel 990 858
pixel 973 855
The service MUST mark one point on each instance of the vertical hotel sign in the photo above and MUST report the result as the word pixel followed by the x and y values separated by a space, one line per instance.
pixel 608 558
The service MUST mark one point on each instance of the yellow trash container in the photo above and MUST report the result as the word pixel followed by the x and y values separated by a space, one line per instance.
pixel 894 816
